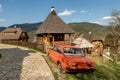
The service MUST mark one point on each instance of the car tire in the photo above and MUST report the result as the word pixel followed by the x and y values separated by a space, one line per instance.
pixel 48 55
pixel 60 68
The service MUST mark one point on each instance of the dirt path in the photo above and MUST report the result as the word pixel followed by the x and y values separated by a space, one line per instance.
pixel 18 63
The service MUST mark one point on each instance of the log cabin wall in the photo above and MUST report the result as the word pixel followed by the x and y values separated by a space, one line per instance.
pixel 54 39
pixel 98 46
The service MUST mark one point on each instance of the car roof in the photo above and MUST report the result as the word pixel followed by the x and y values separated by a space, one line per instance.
pixel 67 46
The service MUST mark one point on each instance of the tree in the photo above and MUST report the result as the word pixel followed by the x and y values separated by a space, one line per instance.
pixel 113 36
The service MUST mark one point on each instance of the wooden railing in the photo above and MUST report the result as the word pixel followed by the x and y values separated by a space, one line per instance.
pixel 25 44
pixel 62 42
pixel 35 45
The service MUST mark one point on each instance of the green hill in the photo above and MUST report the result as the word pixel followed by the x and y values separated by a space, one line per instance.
pixel 86 27
pixel 28 26
pixel 2 28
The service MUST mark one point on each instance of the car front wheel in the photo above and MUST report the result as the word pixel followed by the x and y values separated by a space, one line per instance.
pixel 60 68
pixel 48 55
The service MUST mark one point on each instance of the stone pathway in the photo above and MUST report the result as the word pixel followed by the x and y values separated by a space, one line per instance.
pixel 18 63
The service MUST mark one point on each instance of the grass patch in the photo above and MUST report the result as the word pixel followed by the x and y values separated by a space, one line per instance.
pixel 70 76
pixel 34 50
pixel 55 75
pixel 106 70
pixel 53 67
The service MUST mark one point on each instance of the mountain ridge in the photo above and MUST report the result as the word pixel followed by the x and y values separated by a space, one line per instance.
pixel 79 28
pixel 34 26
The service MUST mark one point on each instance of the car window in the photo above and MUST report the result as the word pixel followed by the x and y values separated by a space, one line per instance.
pixel 73 51
pixel 57 49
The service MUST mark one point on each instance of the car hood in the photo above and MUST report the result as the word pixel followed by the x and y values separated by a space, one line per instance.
pixel 79 59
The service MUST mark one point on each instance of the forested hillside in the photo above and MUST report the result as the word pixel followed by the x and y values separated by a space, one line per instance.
pixel 86 27
pixel 28 26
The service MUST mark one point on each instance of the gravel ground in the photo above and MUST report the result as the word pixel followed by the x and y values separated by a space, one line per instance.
pixel 18 63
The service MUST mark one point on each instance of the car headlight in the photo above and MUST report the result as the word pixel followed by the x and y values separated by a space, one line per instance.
pixel 74 64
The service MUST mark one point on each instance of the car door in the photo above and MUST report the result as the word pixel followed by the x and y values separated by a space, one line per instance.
pixel 56 54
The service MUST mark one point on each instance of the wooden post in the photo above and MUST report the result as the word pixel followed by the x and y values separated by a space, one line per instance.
pixel 48 38
pixel 53 41
pixel 70 39
pixel 44 42
pixel 65 39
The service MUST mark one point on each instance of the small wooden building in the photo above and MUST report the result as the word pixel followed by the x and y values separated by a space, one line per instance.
pixel 96 40
pixel 54 31
pixel 13 34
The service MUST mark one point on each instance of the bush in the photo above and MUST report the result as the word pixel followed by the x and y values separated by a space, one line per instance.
pixel 115 55
pixel 113 42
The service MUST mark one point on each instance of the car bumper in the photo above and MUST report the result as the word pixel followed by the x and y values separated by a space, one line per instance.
pixel 74 69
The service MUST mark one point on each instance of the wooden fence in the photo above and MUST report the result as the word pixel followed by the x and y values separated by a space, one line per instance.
pixel 25 44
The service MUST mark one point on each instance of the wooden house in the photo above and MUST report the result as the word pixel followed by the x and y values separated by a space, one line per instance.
pixel 13 34
pixel 54 31
pixel 96 40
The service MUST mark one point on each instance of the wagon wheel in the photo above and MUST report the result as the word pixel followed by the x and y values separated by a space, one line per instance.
pixel 60 68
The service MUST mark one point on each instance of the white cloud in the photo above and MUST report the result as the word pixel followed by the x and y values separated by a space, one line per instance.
pixel 97 22
pixel 66 12
pixel 2 20
pixel 83 11
pixel 107 18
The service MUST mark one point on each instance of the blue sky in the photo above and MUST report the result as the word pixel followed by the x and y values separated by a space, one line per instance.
pixel 32 11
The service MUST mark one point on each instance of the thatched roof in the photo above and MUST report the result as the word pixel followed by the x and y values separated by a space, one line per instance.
pixel 17 33
pixel 82 43
pixel 54 24
pixel 91 37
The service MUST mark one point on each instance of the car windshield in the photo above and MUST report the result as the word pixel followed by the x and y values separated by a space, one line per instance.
pixel 73 51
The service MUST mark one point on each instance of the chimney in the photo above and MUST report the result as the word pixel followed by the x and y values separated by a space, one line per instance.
pixel 52 8
pixel 14 26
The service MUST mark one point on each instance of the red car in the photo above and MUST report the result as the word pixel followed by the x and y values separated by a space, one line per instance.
pixel 70 59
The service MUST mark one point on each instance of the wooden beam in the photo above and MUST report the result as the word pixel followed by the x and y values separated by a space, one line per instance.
pixel 53 41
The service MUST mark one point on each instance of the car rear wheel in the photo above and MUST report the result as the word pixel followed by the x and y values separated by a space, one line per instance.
pixel 60 68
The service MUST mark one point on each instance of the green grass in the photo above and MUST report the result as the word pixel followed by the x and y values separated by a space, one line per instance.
pixel 52 65
pixel 34 50
pixel 106 70
pixel 70 76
